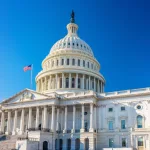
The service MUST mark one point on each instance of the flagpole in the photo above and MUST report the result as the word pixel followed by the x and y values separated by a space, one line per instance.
pixel 31 76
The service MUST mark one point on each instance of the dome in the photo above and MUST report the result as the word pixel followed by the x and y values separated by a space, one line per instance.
pixel 72 42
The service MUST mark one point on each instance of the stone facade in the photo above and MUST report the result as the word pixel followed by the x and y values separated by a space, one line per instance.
pixel 70 110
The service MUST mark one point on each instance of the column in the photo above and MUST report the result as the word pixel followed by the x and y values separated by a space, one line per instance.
pixel 65 124
pixel 91 118
pixel 83 81
pixel 15 122
pixel 76 80
pixel 74 119
pixel 50 81
pixel 63 80
pixel 30 118
pixel 41 85
pixel 56 81
pixel 53 118
pixel 37 118
pixel 101 87
pixel 98 87
pixel 94 85
pixel 95 118
pixel 2 122
pixel 8 122
pixel 89 83
pixel 45 118
pixel 57 126
pixel 22 122
pixel 69 80
pixel 82 119
pixel 129 116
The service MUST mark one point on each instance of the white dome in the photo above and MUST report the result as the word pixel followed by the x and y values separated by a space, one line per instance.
pixel 71 42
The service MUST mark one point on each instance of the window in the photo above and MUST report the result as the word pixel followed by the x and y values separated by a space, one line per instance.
pixel 68 61
pixel 91 66
pixel 124 142
pixel 123 124
pixel 57 62
pixel 73 62
pixel 110 109
pixel 83 63
pixel 78 62
pixel 122 108
pixel 62 62
pixel 140 141
pixel 110 123
pixel 111 142
pixel 88 64
pixel 53 63
pixel 92 84
pixel 73 83
pixel 139 107
pixel 67 82
pixel 79 83
pixel 139 121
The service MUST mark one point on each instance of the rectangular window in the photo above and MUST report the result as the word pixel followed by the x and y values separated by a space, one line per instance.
pixel 123 124
pixel 110 123
pixel 67 82
pixel 88 64
pixel 110 109
pixel 73 83
pixel 57 62
pixel 111 142
pixel 124 142
pixel 60 82
pixel 140 141
pixel 122 108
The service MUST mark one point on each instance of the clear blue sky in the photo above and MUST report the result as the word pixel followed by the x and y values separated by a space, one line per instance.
pixel 118 32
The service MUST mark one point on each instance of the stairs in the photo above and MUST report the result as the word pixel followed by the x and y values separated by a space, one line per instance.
pixel 8 142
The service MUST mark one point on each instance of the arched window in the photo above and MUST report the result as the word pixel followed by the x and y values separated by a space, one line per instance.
pixel 86 144
pixel 73 83
pixel 62 62
pixel 60 144
pixel 68 61
pixel 67 82
pixel 79 83
pixel 139 121
pixel 77 144
pixel 45 145
pixel 78 62
pixel 88 64
pixel 57 62
pixel 83 63
pixel 73 62
pixel 69 144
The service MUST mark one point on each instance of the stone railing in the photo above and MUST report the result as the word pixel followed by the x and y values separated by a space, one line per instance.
pixel 125 92
pixel 39 129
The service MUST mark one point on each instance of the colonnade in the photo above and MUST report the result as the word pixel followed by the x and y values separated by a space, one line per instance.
pixel 55 116
pixel 70 80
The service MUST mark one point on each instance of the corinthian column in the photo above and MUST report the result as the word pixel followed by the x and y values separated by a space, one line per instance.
pixel 45 118
pixel 82 124
pixel 30 118
pixel 83 81
pixel 2 122
pixel 91 118
pixel 65 124
pixel 37 118
pixel 53 118
pixel 8 122
pixel 22 122
pixel 74 119
pixel 57 126
pixel 15 122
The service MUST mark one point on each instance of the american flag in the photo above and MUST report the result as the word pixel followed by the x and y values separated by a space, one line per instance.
pixel 27 68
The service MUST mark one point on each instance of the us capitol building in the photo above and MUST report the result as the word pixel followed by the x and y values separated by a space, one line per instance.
pixel 70 110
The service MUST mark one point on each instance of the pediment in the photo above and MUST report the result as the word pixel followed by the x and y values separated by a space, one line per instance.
pixel 25 95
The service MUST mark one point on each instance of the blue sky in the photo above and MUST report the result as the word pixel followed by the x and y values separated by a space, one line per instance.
pixel 117 31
